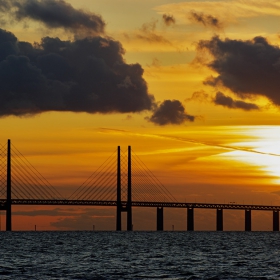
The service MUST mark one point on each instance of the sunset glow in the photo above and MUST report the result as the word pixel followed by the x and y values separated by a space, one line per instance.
pixel 192 86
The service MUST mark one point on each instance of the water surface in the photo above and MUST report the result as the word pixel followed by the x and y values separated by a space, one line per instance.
pixel 140 255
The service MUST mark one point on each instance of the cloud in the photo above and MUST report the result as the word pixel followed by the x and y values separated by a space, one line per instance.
pixel 66 212
pixel 84 75
pixel 227 101
pixel 226 11
pixel 52 212
pixel 206 20
pixel 85 221
pixel 168 19
pixel 148 33
pixel 247 68
pixel 200 96
pixel 222 99
pixel 55 14
pixel 276 192
pixel 128 118
pixel 170 112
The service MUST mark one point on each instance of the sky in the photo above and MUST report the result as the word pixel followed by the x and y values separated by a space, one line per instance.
pixel 191 86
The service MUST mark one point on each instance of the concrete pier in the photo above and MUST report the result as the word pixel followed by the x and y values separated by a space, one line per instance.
pixel 248 224
pixel 219 225
pixel 159 218
pixel 190 219
pixel 276 220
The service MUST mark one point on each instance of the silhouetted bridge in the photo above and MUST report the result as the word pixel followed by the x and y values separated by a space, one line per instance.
pixel 110 185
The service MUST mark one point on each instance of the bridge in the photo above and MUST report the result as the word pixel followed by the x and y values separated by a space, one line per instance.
pixel 110 185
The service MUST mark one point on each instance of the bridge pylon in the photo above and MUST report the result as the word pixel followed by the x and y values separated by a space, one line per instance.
pixel 124 206
pixel 9 189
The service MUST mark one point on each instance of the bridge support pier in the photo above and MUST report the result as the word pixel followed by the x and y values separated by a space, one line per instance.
pixel 9 190
pixel 159 218
pixel 219 224
pixel 190 219
pixel 275 220
pixel 248 219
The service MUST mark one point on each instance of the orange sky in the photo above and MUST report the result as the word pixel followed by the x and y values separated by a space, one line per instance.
pixel 218 149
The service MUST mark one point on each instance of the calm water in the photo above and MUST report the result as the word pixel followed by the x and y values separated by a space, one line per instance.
pixel 140 255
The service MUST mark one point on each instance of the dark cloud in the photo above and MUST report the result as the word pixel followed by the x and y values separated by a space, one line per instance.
pixel 227 101
pixel 54 14
pixel 86 75
pixel 206 20
pixel 249 67
pixel 223 100
pixel 168 19
pixel 170 112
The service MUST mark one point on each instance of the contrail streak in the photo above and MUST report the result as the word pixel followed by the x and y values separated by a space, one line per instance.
pixel 193 141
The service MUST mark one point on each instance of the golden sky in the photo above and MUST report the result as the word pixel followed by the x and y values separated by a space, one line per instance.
pixel 192 86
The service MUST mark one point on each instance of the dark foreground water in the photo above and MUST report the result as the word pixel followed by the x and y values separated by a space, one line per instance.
pixel 139 255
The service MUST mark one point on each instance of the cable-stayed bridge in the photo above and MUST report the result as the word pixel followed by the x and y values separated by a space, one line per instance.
pixel 123 181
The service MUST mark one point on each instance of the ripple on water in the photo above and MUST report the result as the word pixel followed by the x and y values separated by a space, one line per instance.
pixel 139 255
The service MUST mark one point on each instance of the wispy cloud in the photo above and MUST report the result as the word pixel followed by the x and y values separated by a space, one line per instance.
pixel 148 32
pixel 226 11
pixel 168 19
pixel 206 20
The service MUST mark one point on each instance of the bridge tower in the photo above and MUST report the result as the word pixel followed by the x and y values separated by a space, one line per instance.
pixel 124 206
pixel 9 190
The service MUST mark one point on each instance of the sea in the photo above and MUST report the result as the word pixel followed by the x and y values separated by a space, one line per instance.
pixel 139 255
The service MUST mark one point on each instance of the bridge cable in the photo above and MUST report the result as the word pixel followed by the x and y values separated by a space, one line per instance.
pixel 147 182
pixel 77 192
pixel 145 189
pixel 26 173
pixel 88 190
pixel 154 178
pixel 47 185
pixel 25 177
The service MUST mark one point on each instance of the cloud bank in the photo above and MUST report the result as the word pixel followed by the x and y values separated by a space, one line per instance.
pixel 87 75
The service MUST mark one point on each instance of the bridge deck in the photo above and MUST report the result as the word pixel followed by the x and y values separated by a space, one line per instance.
pixel 139 204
